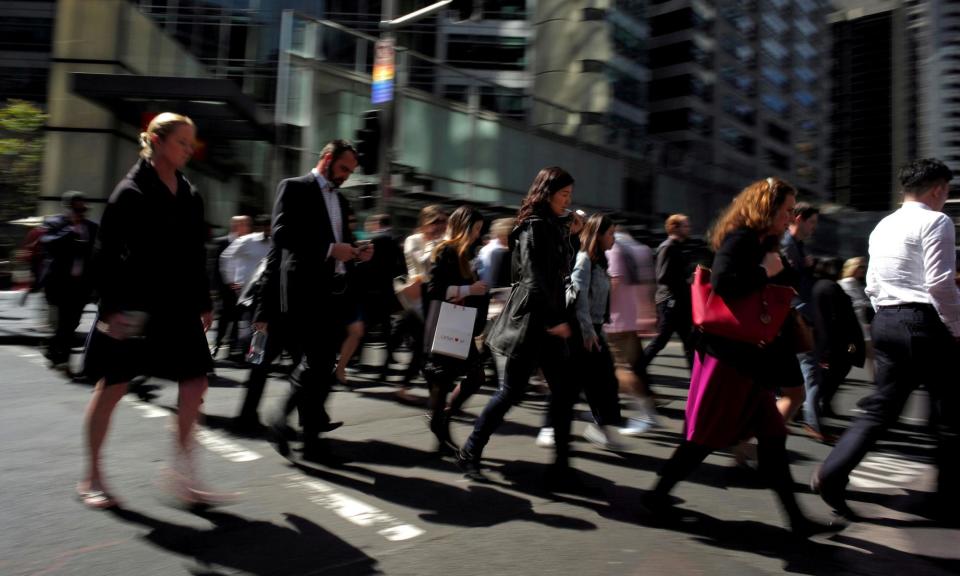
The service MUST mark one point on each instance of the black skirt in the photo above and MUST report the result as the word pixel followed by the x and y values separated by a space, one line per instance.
pixel 174 347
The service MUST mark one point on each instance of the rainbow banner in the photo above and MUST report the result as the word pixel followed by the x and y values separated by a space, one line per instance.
pixel 384 71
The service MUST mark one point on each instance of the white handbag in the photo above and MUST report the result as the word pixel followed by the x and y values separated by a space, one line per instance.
pixel 450 329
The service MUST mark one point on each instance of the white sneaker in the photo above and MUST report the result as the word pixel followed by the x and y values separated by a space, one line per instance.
pixel 637 426
pixel 545 438
pixel 601 437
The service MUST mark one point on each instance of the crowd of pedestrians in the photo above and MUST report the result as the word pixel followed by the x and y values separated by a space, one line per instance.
pixel 550 294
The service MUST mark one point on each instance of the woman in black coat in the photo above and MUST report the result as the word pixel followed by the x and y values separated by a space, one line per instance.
pixel 534 327
pixel 154 300
pixel 452 279
pixel 732 384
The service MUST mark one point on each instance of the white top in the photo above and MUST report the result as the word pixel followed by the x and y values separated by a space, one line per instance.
pixel 332 202
pixel 240 259
pixel 417 251
pixel 913 260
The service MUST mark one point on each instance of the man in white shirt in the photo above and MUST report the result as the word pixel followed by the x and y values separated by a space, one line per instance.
pixel 916 331
pixel 240 259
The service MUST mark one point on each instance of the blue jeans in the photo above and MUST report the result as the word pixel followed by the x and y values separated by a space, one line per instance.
pixel 553 358
pixel 812 384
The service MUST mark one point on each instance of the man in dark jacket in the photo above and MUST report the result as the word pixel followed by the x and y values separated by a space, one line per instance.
pixel 673 290
pixel 838 339
pixel 317 253
pixel 374 279
pixel 67 274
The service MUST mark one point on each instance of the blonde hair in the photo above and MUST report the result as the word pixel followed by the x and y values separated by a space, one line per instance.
pixel 754 207
pixel 850 266
pixel 161 125
pixel 502 227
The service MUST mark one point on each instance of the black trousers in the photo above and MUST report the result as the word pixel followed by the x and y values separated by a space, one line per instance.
pixel 69 306
pixel 228 322
pixel 278 340
pixel 553 358
pixel 598 379
pixel 317 336
pixel 913 348
pixel 407 324
pixel 672 317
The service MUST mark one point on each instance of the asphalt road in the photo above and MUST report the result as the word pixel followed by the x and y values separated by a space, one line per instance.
pixel 395 508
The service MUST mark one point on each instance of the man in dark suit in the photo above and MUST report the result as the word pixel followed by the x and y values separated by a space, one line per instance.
pixel 66 276
pixel 316 256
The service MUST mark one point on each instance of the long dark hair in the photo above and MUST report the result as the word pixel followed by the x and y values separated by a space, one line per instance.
pixel 545 185
pixel 596 226
pixel 458 230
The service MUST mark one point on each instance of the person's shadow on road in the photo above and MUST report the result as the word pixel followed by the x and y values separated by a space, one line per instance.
pixel 472 505
pixel 254 546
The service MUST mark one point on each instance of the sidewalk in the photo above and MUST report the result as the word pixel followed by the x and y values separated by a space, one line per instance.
pixel 23 323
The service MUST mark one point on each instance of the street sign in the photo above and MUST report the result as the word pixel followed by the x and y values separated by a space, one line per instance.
pixel 384 71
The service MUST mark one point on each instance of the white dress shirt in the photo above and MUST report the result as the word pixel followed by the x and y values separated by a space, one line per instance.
pixel 332 201
pixel 913 260
pixel 240 259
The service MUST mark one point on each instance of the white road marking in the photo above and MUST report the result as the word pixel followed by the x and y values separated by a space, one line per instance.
pixel 209 439
pixel 884 471
pixel 352 509
pixel 231 451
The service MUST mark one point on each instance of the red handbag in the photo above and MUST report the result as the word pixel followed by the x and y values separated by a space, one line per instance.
pixel 755 318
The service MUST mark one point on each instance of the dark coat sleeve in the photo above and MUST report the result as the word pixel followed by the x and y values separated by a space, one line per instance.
pixel 268 289
pixel 114 270
pixel 540 245
pixel 736 267
pixel 200 277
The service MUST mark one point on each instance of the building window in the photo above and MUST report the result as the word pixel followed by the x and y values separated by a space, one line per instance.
pixel 740 110
pixel 737 139
pixel 775 103
pixel 774 22
pixel 805 74
pixel 504 10
pixel 805 27
pixel 627 88
pixel 775 50
pixel 629 45
pixel 777 160
pixel 487 52
pixel 774 76
pixel 742 82
pixel 805 99
pixel 805 50
pixel 778 133
pixel 679 86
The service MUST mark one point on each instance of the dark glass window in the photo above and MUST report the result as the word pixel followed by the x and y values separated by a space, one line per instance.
pixel 487 52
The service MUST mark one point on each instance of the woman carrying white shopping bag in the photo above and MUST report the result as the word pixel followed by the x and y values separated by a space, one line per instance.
pixel 457 310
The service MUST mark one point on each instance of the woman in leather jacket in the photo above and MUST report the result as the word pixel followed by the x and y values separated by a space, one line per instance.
pixel 534 327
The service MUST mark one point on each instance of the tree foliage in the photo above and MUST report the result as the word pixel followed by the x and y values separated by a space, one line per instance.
pixel 21 155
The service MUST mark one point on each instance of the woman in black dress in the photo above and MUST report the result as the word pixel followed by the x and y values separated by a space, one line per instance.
pixel 154 299
pixel 534 327
pixel 452 279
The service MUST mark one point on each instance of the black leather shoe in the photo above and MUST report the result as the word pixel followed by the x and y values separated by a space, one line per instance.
pixel 277 434
pixel 804 527
pixel 470 466
pixel 330 426
pixel 833 497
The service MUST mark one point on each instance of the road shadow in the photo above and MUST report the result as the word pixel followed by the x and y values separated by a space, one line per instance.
pixel 235 543
pixel 834 554
pixel 461 504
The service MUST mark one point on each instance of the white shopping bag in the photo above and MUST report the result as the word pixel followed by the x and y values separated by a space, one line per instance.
pixel 450 329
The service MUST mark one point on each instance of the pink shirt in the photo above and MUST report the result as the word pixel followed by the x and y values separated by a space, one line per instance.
pixel 632 307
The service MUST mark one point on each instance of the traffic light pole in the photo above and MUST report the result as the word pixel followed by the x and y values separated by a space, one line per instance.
pixel 387 113
pixel 388 109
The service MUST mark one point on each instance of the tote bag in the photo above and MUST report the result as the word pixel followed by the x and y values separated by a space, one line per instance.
pixel 755 318
pixel 449 329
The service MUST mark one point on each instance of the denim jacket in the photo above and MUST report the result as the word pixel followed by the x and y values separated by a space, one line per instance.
pixel 590 290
